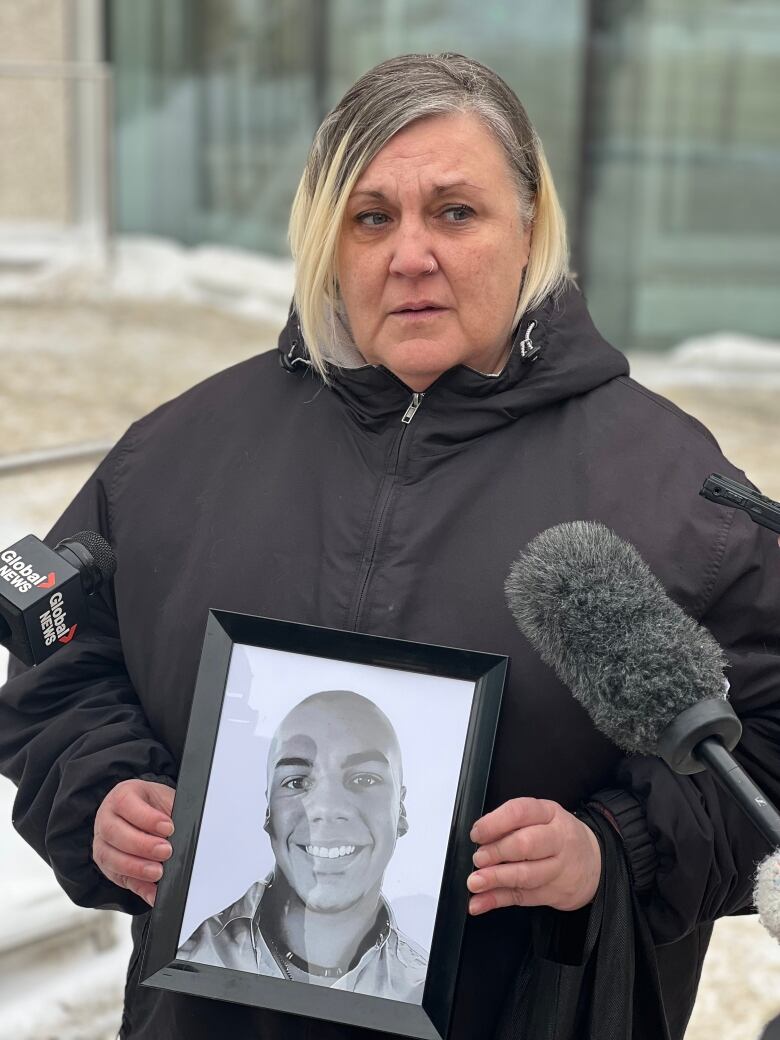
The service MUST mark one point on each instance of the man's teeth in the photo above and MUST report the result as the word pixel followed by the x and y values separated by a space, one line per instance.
pixel 333 853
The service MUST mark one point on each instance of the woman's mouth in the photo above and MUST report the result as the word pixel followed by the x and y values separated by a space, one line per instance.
pixel 418 313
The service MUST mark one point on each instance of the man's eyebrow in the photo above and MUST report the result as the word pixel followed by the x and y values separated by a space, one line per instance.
pixel 306 763
pixel 365 756
pixel 438 189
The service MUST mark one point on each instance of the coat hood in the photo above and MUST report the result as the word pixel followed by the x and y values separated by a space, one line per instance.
pixel 557 353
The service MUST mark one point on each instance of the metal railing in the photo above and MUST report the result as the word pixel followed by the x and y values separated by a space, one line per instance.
pixel 23 461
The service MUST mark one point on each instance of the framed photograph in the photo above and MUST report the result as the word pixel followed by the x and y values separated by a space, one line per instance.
pixel 328 786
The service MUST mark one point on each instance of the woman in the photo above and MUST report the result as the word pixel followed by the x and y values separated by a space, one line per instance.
pixel 443 397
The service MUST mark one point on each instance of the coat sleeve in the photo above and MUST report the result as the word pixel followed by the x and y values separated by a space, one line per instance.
pixel 73 727
pixel 706 848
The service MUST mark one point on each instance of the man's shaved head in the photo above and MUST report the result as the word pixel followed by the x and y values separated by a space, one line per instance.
pixel 335 798
pixel 328 708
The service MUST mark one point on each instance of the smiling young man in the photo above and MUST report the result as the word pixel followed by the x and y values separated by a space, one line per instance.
pixel 335 811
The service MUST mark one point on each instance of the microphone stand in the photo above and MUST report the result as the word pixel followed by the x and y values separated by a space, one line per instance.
pixel 702 737
pixel 711 753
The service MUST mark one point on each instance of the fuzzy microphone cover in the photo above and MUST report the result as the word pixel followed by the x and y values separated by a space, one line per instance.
pixel 766 894
pixel 596 614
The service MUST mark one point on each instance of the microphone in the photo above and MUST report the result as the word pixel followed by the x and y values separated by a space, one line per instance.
pixel 648 675
pixel 43 591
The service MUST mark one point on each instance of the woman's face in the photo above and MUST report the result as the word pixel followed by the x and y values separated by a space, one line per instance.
pixel 432 251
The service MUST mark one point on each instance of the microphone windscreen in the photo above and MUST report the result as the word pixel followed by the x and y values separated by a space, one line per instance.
pixel 598 616
pixel 100 550
pixel 766 894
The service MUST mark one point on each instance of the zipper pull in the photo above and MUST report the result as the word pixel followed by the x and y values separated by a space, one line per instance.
pixel 529 351
pixel 414 404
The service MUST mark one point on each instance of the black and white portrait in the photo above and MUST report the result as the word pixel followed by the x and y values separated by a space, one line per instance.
pixel 325 828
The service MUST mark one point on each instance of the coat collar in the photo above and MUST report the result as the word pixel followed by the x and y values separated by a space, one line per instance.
pixel 557 353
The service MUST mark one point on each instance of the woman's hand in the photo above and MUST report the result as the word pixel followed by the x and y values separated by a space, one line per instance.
pixel 130 827
pixel 533 853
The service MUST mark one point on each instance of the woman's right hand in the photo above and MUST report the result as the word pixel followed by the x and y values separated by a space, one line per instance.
pixel 131 826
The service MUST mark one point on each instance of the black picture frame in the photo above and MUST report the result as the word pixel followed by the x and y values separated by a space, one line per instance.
pixel 160 966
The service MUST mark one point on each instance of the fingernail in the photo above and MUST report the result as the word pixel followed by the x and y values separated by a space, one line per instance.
pixel 153 871
pixel 164 829
pixel 476 882
pixel 476 906
pixel 473 834
pixel 162 851
pixel 481 858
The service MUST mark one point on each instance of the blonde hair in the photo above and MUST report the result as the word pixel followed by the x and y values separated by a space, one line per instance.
pixel 386 99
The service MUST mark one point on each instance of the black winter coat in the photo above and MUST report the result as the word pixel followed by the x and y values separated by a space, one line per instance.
pixel 263 491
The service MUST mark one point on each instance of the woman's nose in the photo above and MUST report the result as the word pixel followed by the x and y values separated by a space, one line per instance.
pixel 412 254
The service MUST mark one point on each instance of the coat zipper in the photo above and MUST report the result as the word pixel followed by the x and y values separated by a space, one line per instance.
pixel 384 497
pixel 411 411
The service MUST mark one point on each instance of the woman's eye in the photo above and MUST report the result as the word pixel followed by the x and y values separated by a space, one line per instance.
pixel 458 214
pixel 297 783
pixel 366 780
pixel 371 219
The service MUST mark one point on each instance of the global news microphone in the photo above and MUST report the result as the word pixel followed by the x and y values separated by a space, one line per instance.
pixel 440 395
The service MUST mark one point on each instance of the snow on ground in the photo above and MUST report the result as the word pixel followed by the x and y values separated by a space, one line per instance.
pixel 67 991
pixel 722 359
pixel 149 269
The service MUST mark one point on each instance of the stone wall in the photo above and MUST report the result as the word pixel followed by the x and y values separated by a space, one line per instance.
pixel 34 114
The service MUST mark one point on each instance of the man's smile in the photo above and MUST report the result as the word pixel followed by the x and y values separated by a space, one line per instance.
pixel 331 859
pixel 330 851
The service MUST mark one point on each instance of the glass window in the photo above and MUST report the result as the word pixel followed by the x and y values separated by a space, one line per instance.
pixel 683 230
pixel 216 107
pixel 218 100
pixel 659 118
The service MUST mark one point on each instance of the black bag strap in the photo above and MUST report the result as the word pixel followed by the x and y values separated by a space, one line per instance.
pixel 591 974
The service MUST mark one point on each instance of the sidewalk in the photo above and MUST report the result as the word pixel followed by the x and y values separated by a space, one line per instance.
pixel 81 371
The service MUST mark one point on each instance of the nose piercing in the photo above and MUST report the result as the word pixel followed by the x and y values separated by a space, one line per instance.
pixel 432 268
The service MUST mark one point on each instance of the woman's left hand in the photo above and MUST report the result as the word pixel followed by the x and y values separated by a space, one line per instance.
pixel 533 853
